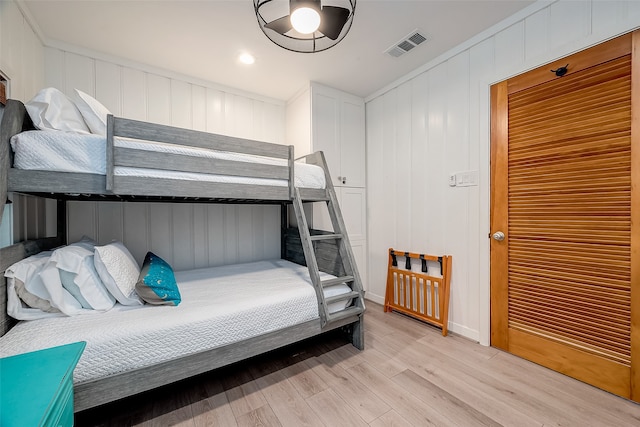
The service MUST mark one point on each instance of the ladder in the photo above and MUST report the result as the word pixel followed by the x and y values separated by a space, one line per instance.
pixel 351 277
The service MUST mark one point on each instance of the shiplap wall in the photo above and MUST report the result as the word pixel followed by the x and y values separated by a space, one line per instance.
pixel 22 63
pixel 186 235
pixel 138 93
pixel 436 121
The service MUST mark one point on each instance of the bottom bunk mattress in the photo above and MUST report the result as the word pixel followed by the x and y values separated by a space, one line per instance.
pixel 220 306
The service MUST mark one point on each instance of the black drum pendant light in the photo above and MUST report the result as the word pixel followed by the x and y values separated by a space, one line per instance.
pixel 305 26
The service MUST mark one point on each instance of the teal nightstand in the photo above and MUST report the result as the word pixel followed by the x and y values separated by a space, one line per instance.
pixel 36 389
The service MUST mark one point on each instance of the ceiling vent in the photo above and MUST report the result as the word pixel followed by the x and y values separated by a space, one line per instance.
pixel 407 43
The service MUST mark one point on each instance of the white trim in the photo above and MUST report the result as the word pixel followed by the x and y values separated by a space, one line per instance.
pixel 489 32
pixel 375 298
pixel 26 13
pixel 298 94
pixel 463 331
pixel 484 178
pixel 453 327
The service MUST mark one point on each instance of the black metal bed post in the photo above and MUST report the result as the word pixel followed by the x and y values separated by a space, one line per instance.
pixel 61 221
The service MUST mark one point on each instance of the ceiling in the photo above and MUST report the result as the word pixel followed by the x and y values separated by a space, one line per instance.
pixel 204 38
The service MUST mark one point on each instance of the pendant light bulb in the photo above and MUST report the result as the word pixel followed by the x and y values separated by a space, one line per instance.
pixel 305 20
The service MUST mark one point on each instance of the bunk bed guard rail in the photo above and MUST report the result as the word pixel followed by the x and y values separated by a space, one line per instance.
pixel 189 161
pixel 423 295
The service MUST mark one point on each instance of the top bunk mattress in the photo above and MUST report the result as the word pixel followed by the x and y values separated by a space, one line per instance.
pixel 220 306
pixel 57 151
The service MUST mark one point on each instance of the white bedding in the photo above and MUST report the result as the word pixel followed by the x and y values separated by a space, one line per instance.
pixel 219 306
pixel 57 151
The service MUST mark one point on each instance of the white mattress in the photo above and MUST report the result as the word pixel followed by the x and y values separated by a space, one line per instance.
pixel 219 306
pixel 58 151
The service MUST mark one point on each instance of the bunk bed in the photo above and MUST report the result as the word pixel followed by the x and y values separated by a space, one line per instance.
pixel 186 165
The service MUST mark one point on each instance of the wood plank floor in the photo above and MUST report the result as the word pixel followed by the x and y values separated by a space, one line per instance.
pixel 408 375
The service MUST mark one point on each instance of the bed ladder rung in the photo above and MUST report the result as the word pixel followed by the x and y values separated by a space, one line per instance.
pixel 336 281
pixel 342 297
pixel 343 314
pixel 326 237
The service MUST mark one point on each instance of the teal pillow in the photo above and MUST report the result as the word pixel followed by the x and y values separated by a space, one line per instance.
pixel 157 284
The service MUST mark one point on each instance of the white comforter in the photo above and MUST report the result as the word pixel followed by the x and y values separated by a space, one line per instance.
pixel 219 306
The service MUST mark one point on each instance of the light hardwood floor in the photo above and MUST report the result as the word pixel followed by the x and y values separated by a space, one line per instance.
pixel 408 375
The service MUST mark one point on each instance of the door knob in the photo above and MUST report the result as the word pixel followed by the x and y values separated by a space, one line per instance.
pixel 498 235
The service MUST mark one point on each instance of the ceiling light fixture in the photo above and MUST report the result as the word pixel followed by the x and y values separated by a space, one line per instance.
pixel 247 58
pixel 306 25
pixel 305 20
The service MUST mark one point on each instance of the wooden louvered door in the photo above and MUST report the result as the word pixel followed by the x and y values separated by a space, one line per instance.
pixel 565 280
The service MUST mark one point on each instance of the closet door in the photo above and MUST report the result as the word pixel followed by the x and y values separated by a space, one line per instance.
pixel 565 249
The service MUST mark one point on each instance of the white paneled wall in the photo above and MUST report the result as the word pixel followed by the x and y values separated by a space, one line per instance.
pixel 436 122
pixel 186 235
pixel 153 96
pixel 22 63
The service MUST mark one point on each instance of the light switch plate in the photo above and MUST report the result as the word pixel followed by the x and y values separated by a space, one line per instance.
pixel 463 179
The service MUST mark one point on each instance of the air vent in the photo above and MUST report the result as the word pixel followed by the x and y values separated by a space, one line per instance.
pixel 407 43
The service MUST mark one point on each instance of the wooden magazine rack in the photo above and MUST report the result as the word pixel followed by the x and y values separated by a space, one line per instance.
pixel 419 294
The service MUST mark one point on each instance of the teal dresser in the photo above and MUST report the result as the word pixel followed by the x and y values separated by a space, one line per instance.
pixel 36 389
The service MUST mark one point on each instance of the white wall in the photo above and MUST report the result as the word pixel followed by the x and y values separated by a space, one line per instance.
pixel 21 53
pixel 436 121
pixel 22 63
pixel 186 235
pixel 138 92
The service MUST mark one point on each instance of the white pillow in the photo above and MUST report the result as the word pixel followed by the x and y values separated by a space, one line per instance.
pixel 76 274
pixel 86 242
pixel 51 109
pixel 93 112
pixel 119 272
pixel 27 298
pixel 59 297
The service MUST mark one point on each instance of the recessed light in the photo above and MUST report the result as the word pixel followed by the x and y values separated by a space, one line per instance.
pixel 247 58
